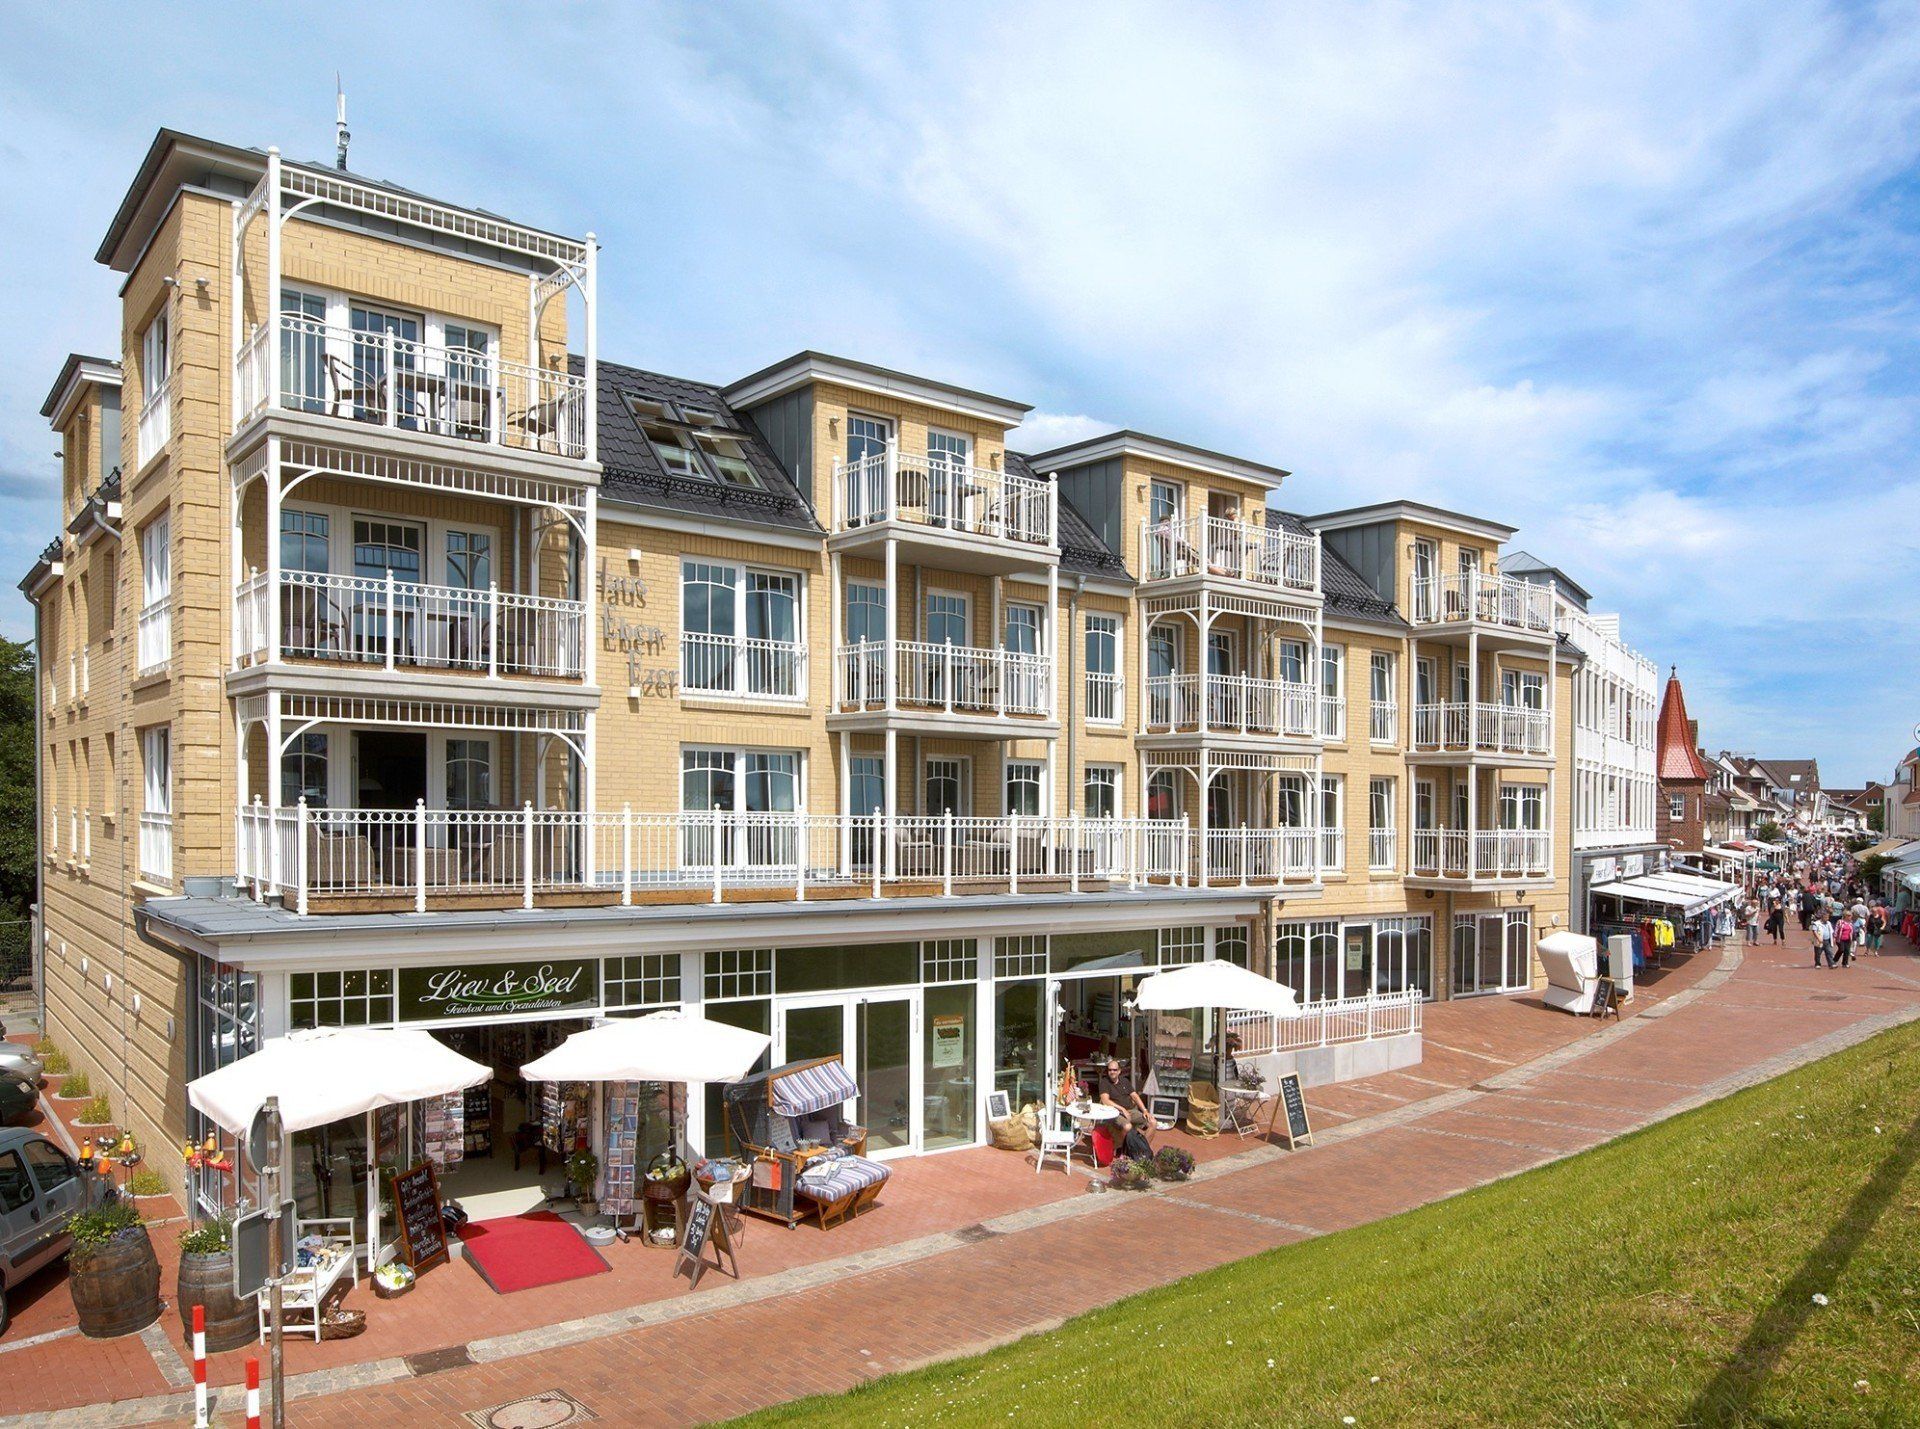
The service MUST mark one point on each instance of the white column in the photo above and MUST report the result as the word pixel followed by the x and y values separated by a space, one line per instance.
pixel 1053 635
pixel 592 293
pixel 589 592
pixel 270 314
pixel 835 595
pixel 274 752
pixel 892 807
pixel 893 639
pixel 271 475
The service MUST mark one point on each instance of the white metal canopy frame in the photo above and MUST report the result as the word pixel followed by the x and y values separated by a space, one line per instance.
pixel 327 1074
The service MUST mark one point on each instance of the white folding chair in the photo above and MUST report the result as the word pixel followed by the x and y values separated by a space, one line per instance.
pixel 1058 1137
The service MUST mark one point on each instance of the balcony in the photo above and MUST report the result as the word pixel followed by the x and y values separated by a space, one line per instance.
pixel 1491 856
pixel 411 857
pixel 1252 857
pixel 1471 598
pixel 384 380
pixel 1232 704
pixel 404 625
pixel 962 680
pixel 1281 561
pixel 1506 731
pixel 736 666
pixel 927 493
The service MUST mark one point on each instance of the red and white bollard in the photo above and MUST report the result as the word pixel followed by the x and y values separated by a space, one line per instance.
pixel 253 1394
pixel 200 1420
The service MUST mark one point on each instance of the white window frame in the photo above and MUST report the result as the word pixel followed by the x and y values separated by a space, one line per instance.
pixel 156 803
pixel 742 646
pixel 1333 830
pixel 1113 777
pixel 1110 684
pixel 1382 795
pixel 1333 706
pixel 962 774
pixel 1038 767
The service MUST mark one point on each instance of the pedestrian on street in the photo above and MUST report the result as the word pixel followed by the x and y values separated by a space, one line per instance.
pixel 1803 905
pixel 1843 942
pixel 1876 928
pixel 1777 923
pixel 1751 916
pixel 1822 932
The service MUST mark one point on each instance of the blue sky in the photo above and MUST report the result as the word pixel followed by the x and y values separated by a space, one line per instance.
pixel 1642 280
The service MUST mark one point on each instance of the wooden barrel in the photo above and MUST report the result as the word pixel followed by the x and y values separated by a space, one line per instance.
pixel 116 1289
pixel 208 1280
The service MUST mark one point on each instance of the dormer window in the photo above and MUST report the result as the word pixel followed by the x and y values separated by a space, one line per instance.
pixel 690 443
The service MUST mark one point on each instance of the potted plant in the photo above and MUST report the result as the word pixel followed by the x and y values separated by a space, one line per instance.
pixel 74 1087
pixel 97 1112
pixel 52 1060
pixel 1128 1174
pixel 1171 1163
pixel 583 1170
pixel 114 1274
pixel 206 1279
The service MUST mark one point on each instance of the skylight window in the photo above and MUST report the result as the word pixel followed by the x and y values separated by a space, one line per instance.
pixel 690 444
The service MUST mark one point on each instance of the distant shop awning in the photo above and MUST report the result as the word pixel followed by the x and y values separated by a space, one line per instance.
pixel 1885 848
pixel 1671 890
pixel 1728 855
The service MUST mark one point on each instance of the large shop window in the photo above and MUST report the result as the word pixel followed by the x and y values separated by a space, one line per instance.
pixel 645 980
pixel 354 998
pixel 1307 958
pixel 740 631
pixel 1403 955
pixel 1492 952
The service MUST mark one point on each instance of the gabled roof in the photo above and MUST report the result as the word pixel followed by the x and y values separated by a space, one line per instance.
pixel 75 373
pixel 1127 442
pixel 1796 774
pixel 633 475
pixel 1081 549
pixel 804 368
pixel 1381 512
pixel 1676 761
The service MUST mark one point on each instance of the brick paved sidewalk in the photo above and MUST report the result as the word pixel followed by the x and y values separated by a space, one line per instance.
pixel 1506 1085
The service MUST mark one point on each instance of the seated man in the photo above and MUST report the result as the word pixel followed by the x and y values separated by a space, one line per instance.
pixel 1117 1091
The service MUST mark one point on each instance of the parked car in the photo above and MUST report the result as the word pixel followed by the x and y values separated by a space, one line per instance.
pixel 41 1190
pixel 17 1057
pixel 19 1098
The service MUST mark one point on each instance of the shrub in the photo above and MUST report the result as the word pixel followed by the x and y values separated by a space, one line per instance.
pixel 209 1237
pixel 147 1182
pixel 97 1112
pixel 53 1059
pixel 93 1228
pixel 76 1085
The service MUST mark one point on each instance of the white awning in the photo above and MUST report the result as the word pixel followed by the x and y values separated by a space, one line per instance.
pixel 329 1073
pixel 1671 890
pixel 661 1047
pixel 1728 855
pixel 1216 984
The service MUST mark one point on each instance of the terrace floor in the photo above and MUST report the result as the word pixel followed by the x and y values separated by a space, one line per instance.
pixel 971 1247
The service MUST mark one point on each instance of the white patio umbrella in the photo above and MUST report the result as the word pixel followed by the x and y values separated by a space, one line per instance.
pixel 1216 984
pixel 660 1047
pixel 329 1073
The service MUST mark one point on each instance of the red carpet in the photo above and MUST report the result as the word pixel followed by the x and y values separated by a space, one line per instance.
pixel 519 1252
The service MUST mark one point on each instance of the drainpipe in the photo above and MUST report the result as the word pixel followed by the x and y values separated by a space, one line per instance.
pixel 1073 668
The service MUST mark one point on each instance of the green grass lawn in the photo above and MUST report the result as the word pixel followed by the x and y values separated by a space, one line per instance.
pixel 1667 1278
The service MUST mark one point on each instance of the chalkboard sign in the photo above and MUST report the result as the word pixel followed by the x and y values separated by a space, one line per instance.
pixel 416 1201
pixel 1295 1106
pixel 1606 998
pixel 706 1227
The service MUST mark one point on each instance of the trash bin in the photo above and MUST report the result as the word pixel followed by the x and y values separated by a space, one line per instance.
pixel 1103 1145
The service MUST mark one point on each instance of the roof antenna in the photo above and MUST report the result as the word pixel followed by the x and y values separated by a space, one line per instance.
pixel 340 135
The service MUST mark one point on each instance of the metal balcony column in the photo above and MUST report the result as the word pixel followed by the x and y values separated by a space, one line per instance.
pixel 275 599
pixel 1206 827
pixel 846 800
pixel 592 295
pixel 841 686
pixel 893 636
pixel 893 801
pixel 1473 820
pixel 270 312
pixel 1053 638
pixel 1203 680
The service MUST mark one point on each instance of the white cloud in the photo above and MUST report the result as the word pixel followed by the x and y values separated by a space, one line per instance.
pixel 1044 431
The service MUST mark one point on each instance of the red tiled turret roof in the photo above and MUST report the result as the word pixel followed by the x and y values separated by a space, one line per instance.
pixel 1677 759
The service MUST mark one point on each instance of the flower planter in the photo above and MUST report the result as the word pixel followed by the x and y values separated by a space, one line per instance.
pixel 116 1286
pixel 207 1280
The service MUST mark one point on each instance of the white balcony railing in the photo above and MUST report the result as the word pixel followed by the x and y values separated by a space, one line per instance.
pixel 1231 550
pixel 391 381
pixel 1232 704
pixel 156 847
pixel 156 421
pixel 1333 717
pixel 1488 599
pixel 954 679
pixel 1104 701
pixel 1383 721
pixel 739 665
pixel 377 620
pixel 1482 728
pixel 1255 856
pixel 1330 1023
pixel 1482 853
pixel 1333 849
pixel 420 853
pixel 1383 848
pixel 925 489
pixel 155 637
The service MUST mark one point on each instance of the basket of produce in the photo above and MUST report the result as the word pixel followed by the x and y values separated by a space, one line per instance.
pixel 392 1280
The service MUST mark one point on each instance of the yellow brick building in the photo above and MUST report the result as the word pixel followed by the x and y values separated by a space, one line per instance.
pixel 395 641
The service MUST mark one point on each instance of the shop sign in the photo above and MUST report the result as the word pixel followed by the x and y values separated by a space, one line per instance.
pixel 1603 870
pixel 1633 865
pixel 950 1040
pixel 434 994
